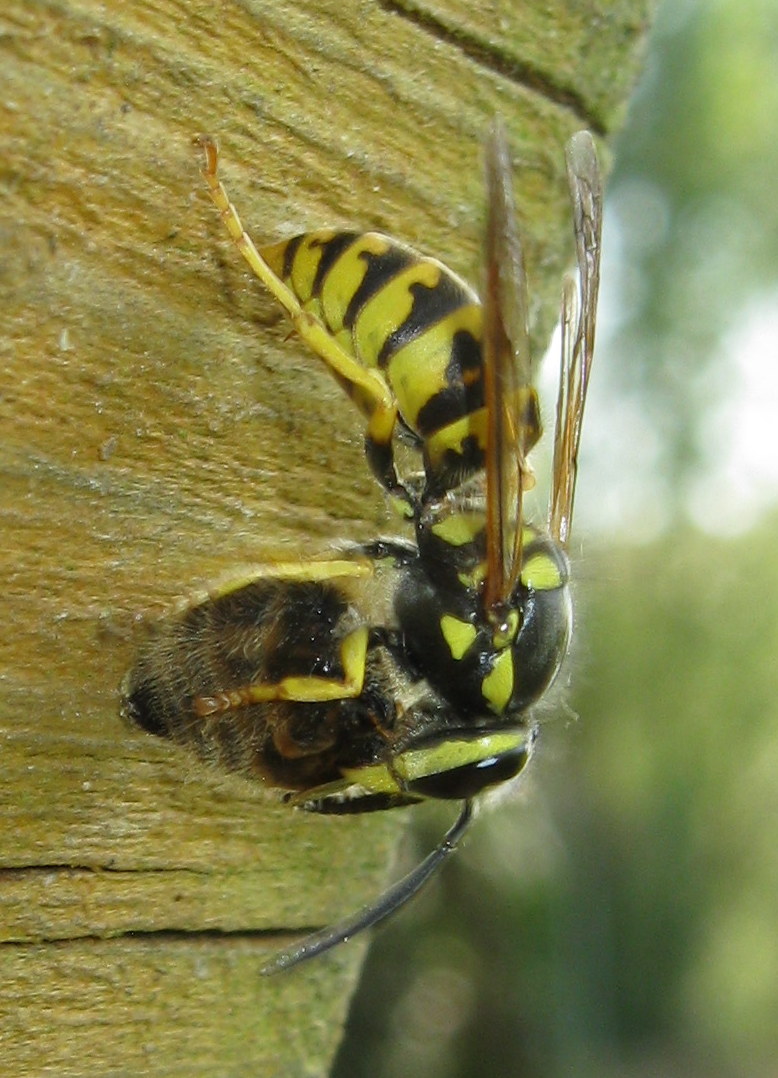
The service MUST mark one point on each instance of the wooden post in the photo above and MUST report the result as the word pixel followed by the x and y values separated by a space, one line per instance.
pixel 157 430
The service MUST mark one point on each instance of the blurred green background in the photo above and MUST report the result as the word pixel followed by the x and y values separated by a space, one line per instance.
pixel 620 917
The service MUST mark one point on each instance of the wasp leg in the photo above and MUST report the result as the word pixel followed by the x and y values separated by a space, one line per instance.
pixel 365 387
pixel 379 452
pixel 332 799
pixel 353 654
pixel 400 552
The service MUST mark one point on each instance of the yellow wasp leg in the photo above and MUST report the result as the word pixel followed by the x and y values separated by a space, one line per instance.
pixel 366 387
pixel 353 653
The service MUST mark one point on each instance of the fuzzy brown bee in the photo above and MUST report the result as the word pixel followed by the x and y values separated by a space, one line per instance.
pixel 398 671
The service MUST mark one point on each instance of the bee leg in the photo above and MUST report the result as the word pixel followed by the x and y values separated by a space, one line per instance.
pixel 364 386
pixel 353 655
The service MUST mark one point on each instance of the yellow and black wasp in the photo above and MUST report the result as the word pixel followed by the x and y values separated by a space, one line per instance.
pixel 398 671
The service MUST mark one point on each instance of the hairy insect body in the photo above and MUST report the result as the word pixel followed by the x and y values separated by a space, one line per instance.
pixel 263 632
pixel 294 635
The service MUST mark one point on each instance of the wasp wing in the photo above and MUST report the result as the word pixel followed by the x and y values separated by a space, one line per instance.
pixel 510 398
pixel 579 310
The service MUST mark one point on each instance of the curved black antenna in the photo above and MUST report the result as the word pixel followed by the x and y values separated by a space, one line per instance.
pixel 391 900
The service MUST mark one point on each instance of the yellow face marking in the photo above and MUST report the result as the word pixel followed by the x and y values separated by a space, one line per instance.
pixel 504 637
pixel 541 573
pixel 497 686
pixel 435 759
pixel 459 529
pixel 376 779
pixel 459 635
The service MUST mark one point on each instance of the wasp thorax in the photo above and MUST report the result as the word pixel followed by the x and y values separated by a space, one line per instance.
pixel 451 537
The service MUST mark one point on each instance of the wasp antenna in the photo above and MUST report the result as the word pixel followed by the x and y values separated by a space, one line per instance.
pixel 402 891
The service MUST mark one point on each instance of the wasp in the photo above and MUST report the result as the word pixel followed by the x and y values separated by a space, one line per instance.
pixel 396 671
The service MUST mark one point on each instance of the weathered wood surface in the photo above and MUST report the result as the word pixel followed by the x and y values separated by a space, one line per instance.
pixel 156 430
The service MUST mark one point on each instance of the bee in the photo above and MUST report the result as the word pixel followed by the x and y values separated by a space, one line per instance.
pixel 397 671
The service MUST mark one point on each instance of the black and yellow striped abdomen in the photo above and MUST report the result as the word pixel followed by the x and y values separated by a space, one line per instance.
pixel 409 317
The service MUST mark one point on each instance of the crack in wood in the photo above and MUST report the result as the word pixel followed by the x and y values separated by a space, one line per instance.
pixel 71 870
pixel 490 56
pixel 274 936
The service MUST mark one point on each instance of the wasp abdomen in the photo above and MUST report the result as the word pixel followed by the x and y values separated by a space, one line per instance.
pixel 408 316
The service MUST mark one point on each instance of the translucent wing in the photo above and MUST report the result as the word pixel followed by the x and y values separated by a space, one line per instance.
pixel 579 310
pixel 511 400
